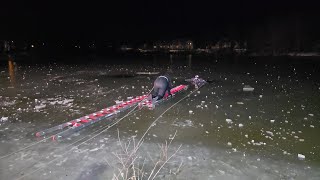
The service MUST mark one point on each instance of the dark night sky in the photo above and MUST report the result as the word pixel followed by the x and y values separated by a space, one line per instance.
pixel 145 20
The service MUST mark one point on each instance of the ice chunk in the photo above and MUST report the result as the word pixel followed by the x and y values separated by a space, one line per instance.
pixel 240 103
pixel 190 112
pixel 229 121
pixel 118 102
pixel 240 125
pixel 272 120
pixel 270 133
pixel 41 106
pixel 4 119
pixel 95 149
pixel 311 115
pixel 229 144
pixel 301 156
pixel 247 88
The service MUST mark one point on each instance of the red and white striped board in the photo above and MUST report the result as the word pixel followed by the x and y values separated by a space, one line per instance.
pixel 79 123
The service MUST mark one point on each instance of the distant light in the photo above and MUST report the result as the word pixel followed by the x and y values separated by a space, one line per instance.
pixel 32 46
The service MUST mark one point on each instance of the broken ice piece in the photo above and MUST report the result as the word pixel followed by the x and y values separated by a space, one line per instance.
pixel 229 121
pixel 301 156
pixel 190 111
pixel 240 103
pixel 240 125
pixel 118 102
pixel 229 144
pixel 272 121
pixel 311 115
pixel 270 133
pixel 4 119
pixel 247 88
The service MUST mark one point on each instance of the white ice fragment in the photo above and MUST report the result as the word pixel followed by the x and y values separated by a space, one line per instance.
pixel 229 121
pixel 95 149
pixel 190 158
pixel 240 103
pixel 247 88
pixel 118 102
pixel 272 121
pixel 229 144
pixel 301 156
pixel 207 132
pixel 154 135
pixel 246 135
pixel 260 96
pixel 230 105
pixel 41 106
pixel 312 126
pixel 202 102
pixel 240 125
pixel 4 119
pixel 285 152
pixel 311 115
pixel 249 117
pixel 190 111
pixel 198 92
pixel 270 133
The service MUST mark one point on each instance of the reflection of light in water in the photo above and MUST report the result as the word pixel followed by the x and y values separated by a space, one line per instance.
pixel 12 71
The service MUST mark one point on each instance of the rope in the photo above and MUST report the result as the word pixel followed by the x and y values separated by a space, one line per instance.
pixel 115 123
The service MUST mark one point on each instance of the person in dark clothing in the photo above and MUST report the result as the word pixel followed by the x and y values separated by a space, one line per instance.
pixel 161 85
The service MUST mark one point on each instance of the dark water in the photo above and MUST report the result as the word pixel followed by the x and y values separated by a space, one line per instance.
pixel 240 134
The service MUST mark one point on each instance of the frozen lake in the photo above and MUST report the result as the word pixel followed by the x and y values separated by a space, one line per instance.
pixel 226 133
